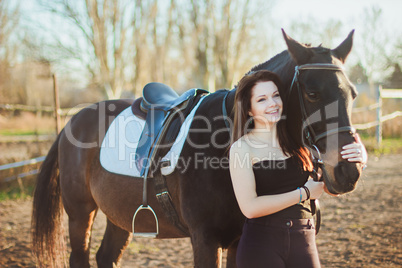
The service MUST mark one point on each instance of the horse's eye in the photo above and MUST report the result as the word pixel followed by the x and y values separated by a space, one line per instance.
pixel 313 95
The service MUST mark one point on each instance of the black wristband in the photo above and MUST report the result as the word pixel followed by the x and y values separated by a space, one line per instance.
pixel 307 192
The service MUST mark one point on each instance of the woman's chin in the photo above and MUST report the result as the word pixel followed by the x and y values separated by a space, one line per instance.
pixel 273 119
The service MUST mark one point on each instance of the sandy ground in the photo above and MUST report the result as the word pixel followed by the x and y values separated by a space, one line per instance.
pixel 360 229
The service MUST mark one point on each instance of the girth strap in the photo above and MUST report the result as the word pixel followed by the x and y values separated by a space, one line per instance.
pixel 165 200
pixel 160 185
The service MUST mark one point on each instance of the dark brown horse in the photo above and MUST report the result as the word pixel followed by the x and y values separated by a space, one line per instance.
pixel 72 177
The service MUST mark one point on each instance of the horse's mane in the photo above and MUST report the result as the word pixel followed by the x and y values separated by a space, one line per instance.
pixel 283 65
pixel 284 57
pixel 273 62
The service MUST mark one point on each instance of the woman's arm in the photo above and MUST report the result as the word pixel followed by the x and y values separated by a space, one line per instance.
pixel 253 206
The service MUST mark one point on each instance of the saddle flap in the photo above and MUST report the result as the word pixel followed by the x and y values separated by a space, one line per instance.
pixel 158 123
pixel 153 124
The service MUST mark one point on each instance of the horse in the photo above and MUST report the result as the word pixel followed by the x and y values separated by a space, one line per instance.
pixel 71 177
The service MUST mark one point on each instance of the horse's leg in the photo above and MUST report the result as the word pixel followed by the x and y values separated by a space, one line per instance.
pixel 207 251
pixel 80 225
pixel 231 257
pixel 113 245
pixel 81 210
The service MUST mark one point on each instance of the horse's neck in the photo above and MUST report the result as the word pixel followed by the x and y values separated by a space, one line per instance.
pixel 281 64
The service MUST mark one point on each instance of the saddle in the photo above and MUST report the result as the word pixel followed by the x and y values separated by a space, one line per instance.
pixel 164 112
pixel 163 108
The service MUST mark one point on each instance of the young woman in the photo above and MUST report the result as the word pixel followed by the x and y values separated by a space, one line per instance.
pixel 271 180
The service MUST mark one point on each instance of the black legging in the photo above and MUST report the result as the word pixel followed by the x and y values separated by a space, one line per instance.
pixel 274 242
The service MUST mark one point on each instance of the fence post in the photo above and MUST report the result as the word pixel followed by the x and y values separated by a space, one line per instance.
pixel 378 132
pixel 21 185
pixel 56 104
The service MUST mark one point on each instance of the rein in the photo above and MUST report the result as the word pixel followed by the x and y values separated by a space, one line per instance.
pixel 309 134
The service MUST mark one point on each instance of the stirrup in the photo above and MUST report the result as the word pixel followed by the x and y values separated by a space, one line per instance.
pixel 146 234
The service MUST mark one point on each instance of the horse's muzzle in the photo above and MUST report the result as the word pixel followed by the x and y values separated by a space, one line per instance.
pixel 346 175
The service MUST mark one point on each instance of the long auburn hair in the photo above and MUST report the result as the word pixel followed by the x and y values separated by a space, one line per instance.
pixel 243 122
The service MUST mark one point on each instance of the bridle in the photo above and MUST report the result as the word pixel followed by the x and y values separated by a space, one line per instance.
pixel 308 132
pixel 310 135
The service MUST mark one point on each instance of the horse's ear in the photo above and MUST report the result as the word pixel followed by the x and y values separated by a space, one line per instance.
pixel 299 52
pixel 343 50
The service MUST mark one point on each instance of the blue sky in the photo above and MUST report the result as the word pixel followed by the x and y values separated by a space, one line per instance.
pixel 347 11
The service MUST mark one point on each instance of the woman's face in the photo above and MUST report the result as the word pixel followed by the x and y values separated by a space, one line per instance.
pixel 266 104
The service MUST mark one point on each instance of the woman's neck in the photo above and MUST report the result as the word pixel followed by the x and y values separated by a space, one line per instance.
pixel 266 134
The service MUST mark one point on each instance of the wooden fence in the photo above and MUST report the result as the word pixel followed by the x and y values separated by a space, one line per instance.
pixel 381 94
pixel 19 170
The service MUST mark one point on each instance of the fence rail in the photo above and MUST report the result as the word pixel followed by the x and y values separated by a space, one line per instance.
pixel 366 109
pixel 20 170
pixel 34 109
pixel 376 123
pixel 22 163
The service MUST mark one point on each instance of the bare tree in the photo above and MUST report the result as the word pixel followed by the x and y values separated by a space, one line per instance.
pixel 104 25
pixel 141 24
pixel 9 21
pixel 200 43
pixel 220 32
pixel 153 35
pixel 373 54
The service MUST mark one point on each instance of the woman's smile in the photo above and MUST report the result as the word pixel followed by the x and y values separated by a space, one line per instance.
pixel 266 104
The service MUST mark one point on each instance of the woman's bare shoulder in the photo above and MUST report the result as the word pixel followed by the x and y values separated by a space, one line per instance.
pixel 240 146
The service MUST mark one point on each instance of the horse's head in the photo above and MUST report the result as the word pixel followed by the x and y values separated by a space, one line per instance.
pixel 324 95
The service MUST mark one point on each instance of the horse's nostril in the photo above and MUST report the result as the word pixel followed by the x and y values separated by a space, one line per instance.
pixel 346 175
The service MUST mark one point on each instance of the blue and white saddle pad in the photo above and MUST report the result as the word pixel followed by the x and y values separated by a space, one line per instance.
pixel 119 146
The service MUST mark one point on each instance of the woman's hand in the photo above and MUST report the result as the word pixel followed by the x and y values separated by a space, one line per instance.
pixel 319 174
pixel 316 188
pixel 355 152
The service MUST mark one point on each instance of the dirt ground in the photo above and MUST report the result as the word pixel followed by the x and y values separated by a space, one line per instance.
pixel 360 229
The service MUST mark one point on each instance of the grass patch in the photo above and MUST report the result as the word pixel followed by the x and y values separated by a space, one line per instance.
pixel 15 191
pixel 388 145
pixel 21 132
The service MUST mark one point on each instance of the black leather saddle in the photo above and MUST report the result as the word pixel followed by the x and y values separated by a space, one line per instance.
pixel 164 110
